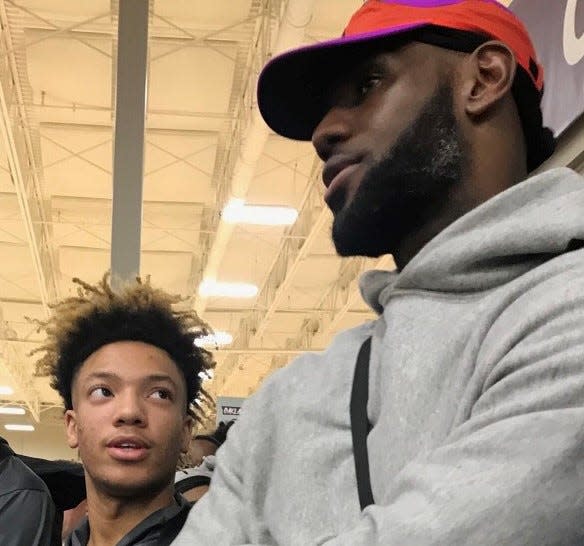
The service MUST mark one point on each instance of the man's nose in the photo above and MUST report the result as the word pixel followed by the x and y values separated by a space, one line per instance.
pixel 334 128
pixel 130 409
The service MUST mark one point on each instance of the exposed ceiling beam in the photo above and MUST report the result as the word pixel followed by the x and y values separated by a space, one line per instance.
pixel 312 218
pixel 14 361
pixel 107 111
pixel 341 296
pixel 282 310
pixel 20 301
pixel 251 132
pixel 348 294
pixel 21 343
pixel 128 171
pixel 107 128
pixel 158 34
pixel 20 137
pixel 262 351
pixel 294 247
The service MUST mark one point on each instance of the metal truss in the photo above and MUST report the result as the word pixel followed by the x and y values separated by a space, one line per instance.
pixel 14 361
pixel 21 140
pixel 334 305
pixel 249 133
pixel 294 248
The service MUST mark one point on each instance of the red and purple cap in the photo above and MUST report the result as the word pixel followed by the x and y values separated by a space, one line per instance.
pixel 292 86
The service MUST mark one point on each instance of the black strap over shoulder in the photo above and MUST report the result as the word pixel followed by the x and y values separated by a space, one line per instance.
pixel 360 425
pixel 173 526
pixel 575 244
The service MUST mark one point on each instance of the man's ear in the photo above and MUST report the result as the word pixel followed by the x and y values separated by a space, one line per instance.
pixel 489 75
pixel 187 434
pixel 71 429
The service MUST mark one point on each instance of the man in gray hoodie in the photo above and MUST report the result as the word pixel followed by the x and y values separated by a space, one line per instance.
pixel 457 416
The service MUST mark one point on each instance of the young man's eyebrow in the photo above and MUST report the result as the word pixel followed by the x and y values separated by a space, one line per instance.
pixel 152 378
pixel 102 375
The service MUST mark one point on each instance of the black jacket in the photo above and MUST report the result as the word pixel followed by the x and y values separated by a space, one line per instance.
pixel 27 511
pixel 158 529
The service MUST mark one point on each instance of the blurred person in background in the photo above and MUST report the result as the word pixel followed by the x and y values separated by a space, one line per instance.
pixel 127 368
pixel 66 483
pixel 193 481
pixel 27 511
pixel 204 445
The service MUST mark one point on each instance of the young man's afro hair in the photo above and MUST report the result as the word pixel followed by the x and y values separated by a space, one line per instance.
pixel 98 315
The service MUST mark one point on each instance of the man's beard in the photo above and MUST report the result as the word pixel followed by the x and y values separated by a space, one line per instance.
pixel 401 192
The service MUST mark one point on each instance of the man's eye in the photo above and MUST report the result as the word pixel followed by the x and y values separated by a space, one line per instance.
pixel 162 394
pixel 100 393
pixel 367 84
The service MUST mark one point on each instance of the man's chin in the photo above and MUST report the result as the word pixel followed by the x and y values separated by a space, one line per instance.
pixel 354 236
pixel 347 250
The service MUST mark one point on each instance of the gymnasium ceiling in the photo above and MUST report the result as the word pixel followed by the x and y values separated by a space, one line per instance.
pixel 58 83
pixel 204 144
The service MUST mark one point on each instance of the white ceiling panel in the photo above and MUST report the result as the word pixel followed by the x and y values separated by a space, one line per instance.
pixel 194 78
pixel 78 10
pixel 200 13
pixel 65 72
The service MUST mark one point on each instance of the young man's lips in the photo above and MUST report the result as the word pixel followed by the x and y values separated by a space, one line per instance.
pixel 127 448
pixel 339 179
pixel 127 454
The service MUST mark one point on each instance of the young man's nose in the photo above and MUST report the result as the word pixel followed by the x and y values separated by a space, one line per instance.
pixel 130 409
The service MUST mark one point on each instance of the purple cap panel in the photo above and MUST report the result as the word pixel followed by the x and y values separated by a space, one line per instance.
pixel 436 3
pixel 423 3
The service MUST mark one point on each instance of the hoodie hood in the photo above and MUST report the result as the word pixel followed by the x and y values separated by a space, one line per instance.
pixel 493 244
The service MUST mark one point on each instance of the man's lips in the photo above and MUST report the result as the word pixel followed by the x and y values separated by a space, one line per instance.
pixel 336 173
pixel 335 165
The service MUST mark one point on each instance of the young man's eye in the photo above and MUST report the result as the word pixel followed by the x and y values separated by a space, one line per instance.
pixel 100 393
pixel 162 394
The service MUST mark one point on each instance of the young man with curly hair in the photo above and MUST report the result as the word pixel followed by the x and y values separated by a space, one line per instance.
pixel 127 369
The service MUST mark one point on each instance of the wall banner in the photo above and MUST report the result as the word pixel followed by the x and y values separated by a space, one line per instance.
pixel 228 408
pixel 557 30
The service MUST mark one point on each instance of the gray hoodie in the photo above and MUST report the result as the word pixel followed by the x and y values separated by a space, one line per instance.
pixel 476 397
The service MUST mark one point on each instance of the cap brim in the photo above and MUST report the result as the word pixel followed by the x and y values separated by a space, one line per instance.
pixel 292 86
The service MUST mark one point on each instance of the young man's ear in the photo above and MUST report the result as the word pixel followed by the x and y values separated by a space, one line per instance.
pixel 71 429
pixel 489 75
pixel 187 434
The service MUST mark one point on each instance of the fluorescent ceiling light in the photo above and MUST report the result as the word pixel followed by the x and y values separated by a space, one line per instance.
pixel 20 428
pixel 209 289
pixel 237 212
pixel 214 340
pixel 4 389
pixel 11 410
